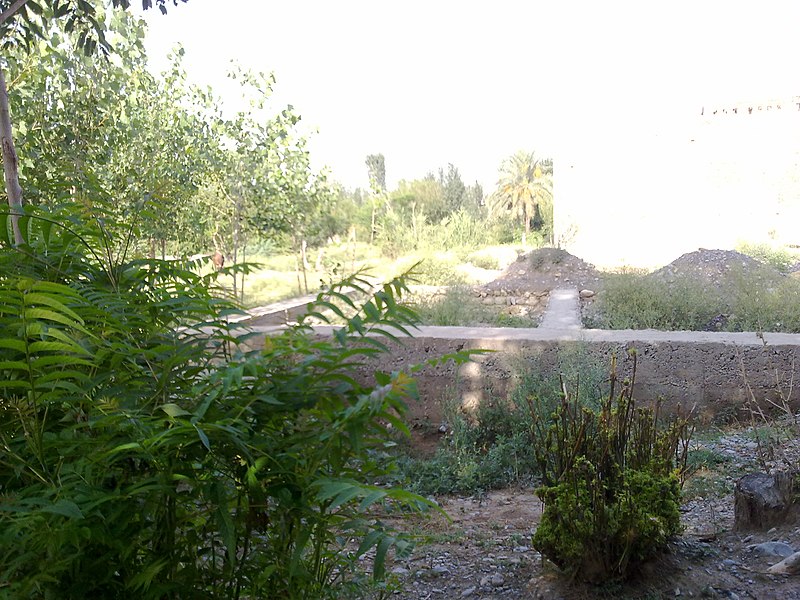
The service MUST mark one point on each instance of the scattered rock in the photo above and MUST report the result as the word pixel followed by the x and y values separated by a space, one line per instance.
pixel 773 549
pixel 761 500
pixel 584 294
pixel 497 579
pixel 788 566
pixel 468 592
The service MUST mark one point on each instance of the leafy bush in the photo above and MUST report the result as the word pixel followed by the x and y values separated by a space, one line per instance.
pixel 609 484
pixel 632 301
pixel 483 261
pixel 778 258
pixel 487 450
pixel 147 454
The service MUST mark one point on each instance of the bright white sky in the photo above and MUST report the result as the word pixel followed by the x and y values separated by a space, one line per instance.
pixel 428 82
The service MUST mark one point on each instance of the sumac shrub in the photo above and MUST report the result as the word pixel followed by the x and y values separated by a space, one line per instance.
pixel 147 452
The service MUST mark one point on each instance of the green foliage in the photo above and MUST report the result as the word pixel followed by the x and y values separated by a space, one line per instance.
pixel 778 258
pixel 751 303
pixel 438 270
pixel 79 17
pixel 486 450
pixel 376 169
pixel 483 260
pixel 610 485
pixel 525 190
pixel 459 230
pixel 631 301
pixel 492 446
pixel 148 453
pixel 456 307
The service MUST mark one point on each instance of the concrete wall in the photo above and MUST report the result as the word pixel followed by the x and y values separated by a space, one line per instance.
pixel 708 371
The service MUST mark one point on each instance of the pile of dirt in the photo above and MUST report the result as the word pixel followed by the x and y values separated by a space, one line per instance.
pixel 546 269
pixel 720 270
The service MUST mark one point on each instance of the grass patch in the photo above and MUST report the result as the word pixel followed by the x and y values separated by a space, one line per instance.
pixel 456 307
pixel 459 307
pixel 635 301
pixel 778 258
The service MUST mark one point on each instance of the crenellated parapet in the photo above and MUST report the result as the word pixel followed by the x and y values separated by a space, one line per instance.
pixel 785 106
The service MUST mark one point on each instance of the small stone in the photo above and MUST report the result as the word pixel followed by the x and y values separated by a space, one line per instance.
pixel 440 571
pixel 468 592
pixel 497 580
pixel 400 571
pixel 584 294
pixel 677 592
pixel 485 580
pixel 443 428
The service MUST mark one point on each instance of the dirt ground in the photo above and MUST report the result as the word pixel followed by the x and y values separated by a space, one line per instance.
pixel 485 551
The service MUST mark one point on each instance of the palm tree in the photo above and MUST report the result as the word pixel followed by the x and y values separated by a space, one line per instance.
pixel 525 187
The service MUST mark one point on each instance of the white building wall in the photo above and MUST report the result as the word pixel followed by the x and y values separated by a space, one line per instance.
pixel 642 190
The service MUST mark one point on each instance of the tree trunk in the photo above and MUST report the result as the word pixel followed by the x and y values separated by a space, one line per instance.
pixel 297 271
pixel 237 211
pixel 372 227
pixel 320 257
pixel 10 166
pixel 304 263
pixel 244 259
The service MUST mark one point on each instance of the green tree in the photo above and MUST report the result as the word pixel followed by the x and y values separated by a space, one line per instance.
pixel 525 187
pixel 108 135
pixel 267 176
pixel 21 23
pixel 475 201
pixel 376 170
pixel 453 189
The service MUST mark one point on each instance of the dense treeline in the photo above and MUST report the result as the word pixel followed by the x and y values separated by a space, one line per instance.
pixel 163 156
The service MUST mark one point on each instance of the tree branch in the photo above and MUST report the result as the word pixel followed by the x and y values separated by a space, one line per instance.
pixel 12 10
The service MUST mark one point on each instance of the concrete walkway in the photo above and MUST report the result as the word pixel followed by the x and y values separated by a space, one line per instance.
pixel 563 310
pixel 560 323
